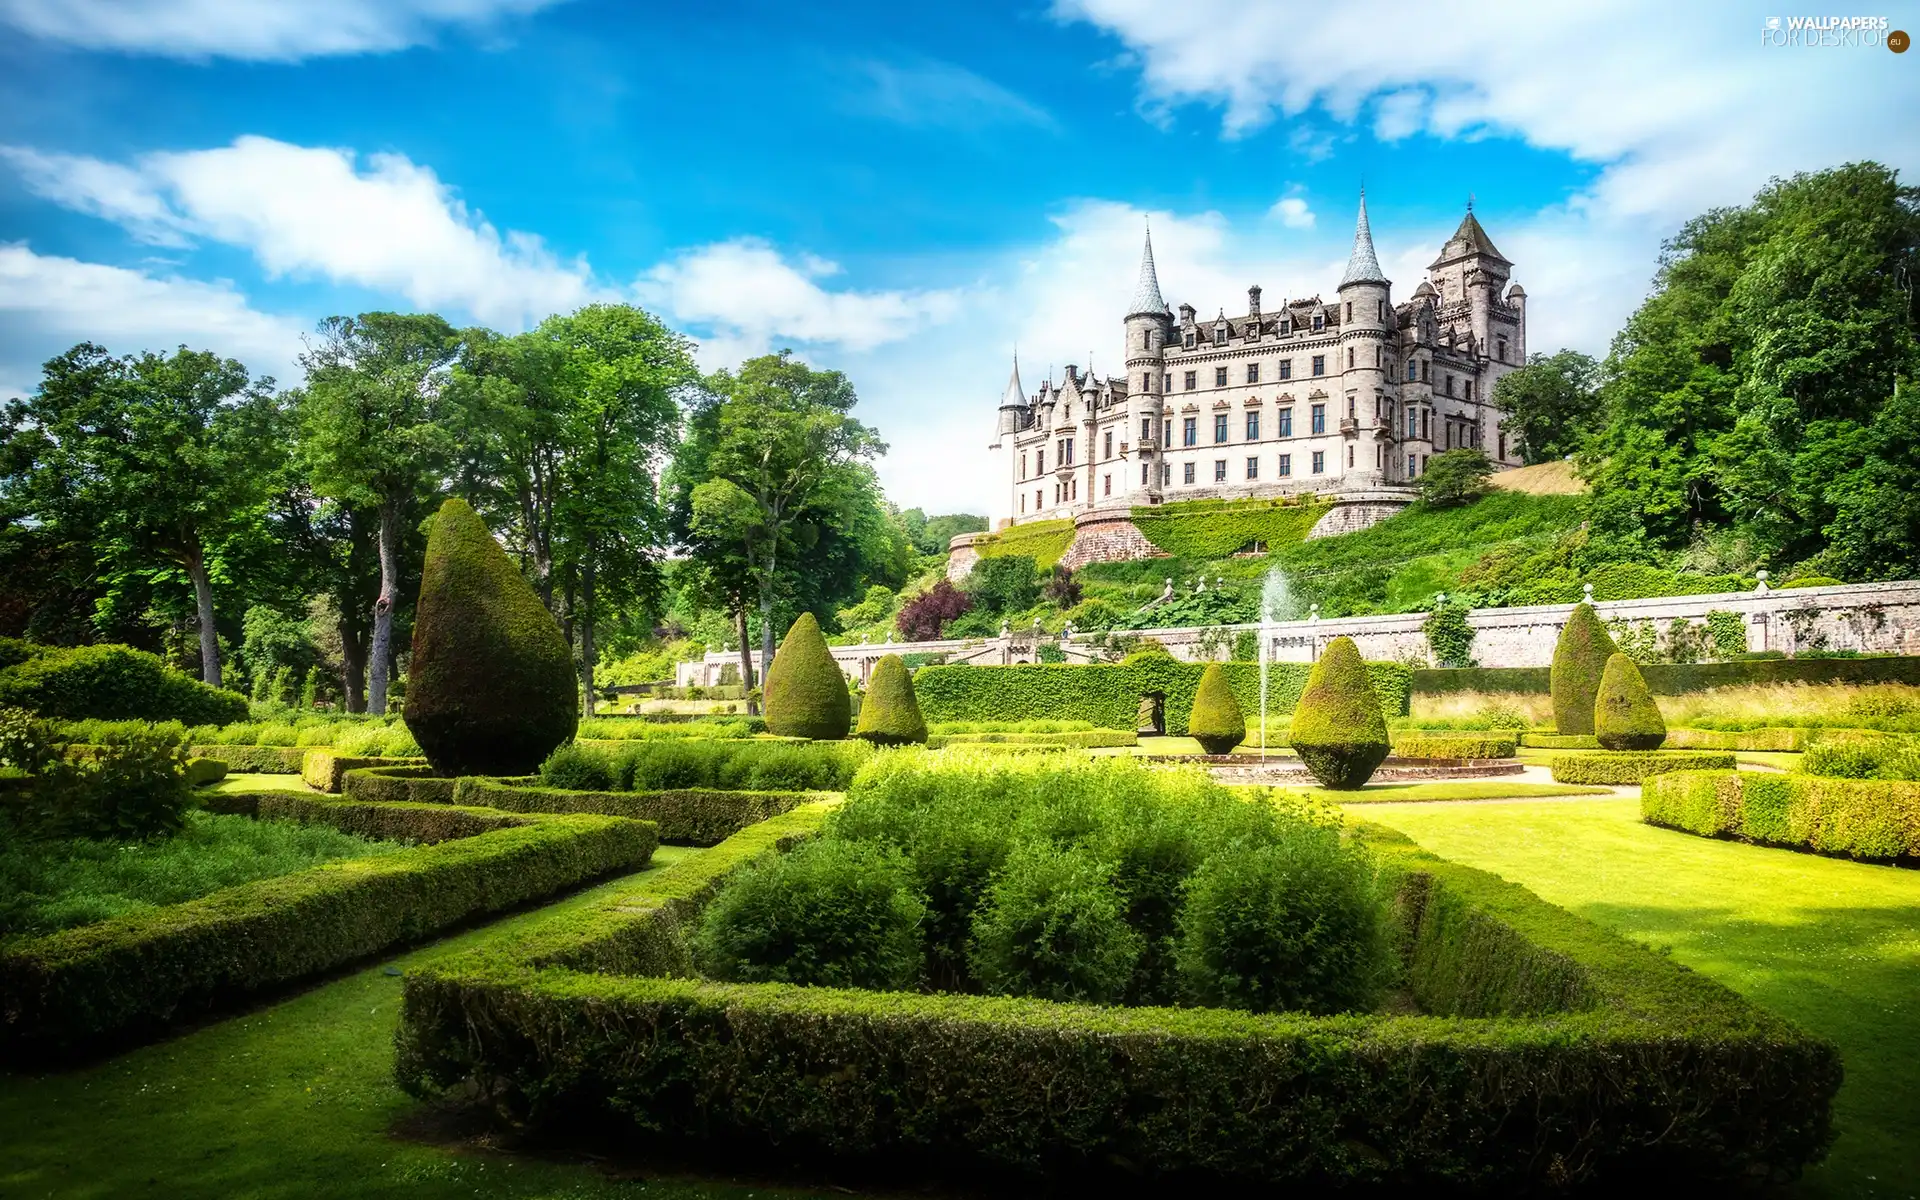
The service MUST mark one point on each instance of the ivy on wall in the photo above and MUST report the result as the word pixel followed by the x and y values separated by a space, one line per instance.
pixel 1205 529
pixel 1042 541
pixel 1449 636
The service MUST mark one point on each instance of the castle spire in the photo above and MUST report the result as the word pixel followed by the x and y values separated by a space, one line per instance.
pixel 1016 396
pixel 1146 293
pixel 1363 266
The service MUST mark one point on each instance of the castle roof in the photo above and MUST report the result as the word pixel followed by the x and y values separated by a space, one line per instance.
pixel 1363 266
pixel 1015 396
pixel 1470 238
pixel 1146 293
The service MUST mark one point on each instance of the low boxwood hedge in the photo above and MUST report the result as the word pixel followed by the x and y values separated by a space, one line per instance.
pixel 327 769
pixel 419 824
pixel 1678 679
pixel 1553 1054
pixel 203 771
pixel 255 760
pixel 414 782
pixel 1633 766
pixel 1875 819
pixel 1080 738
pixel 690 816
pixel 1560 741
pixel 1742 739
pixel 86 989
pixel 1444 745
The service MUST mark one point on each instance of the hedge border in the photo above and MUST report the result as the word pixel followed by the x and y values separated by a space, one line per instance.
pixel 255 760
pixel 1563 1052
pixel 1877 820
pixel 327 769
pixel 88 989
pixel 416 784
pixel 1560 741
pixel 1622 767
pixel 1679 679
pixel 1776 738
pixel 685 816
pixel 1084 739
pixel 1454 745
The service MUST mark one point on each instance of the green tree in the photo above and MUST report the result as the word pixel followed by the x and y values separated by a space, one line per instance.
pixel 374 433
pixel 1003 584
pixel 1555 403
pixel 162 465
pixel 1455 477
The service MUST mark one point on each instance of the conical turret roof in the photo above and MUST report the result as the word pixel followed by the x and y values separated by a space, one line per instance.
pixel 1471 238
pixel 1363 265
pixel 1015 396
pixel 1146 293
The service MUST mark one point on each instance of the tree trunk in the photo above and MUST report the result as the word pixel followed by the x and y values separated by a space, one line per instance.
pixel 586 630
pixel 383 606
pixel 353 669
pixel 746 657
pixel 203 602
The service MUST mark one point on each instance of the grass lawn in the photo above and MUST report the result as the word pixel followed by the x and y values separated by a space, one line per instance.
pixel 293 1100
pixel 1830 944
pixel 1455 789
pixel 259 783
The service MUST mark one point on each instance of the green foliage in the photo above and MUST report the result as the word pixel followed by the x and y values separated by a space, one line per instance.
pixel 830 914
pixel 1003 583
pixel 931 535
pixel 650 765
pixel 1863 758
pixel 1216 720
pixel 1552 403
pixel 1206 529
pixel 1726 633
pixel 1293 926
pixel 1621 767
pixel 1452 746
pixel 1874 819
pixel 1338 729
pixel 1449 637
pixel 133 788
pixel 1624 714
pixel 1042 541
pixel 1079 739
pixel 491 686
pixel 805 689
pixel 1051 926
pixel 1455 477
pixel 684 816
pixel 1776 740
pixel 1579 660
pixel 1807 581
pixel 253 760
pixel 890 714
pixel 114 683
pixel 1246 646
pixel 203 771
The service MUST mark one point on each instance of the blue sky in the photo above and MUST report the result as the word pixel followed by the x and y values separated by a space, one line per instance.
pixel 904 192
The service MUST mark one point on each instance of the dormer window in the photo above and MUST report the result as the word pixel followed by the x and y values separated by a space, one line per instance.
pixel 1319 322
pixel 1219 335
pixel 1286 326
pixel 1188 340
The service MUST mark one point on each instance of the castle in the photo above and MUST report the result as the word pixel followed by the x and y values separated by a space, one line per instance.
pixel 1347 400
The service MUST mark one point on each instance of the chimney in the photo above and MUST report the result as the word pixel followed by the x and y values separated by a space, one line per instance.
pixel 1253 300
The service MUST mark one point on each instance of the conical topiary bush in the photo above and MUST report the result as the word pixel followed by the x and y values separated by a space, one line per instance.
pixel 491 688
pixel 890 715
pixel 1579 659
pixel 1216 721
pixel 806 693
pixel 1624 714
pixel 1338 729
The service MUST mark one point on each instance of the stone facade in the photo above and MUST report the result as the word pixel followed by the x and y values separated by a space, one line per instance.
pixel 1871 617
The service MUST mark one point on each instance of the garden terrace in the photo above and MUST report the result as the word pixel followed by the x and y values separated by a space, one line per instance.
pixel 1546 1052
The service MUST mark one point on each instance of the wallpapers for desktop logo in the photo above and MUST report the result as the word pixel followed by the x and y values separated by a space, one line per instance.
pixel 1818 32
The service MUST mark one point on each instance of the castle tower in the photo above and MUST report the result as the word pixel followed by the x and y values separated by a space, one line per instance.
pixel 1366 317
pixel 1149 326
pixel 1471 270
pixel 1014 411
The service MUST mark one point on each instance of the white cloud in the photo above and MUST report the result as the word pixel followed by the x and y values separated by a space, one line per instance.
pixel 51 303
pixel 101 189
pixel 263 30
pixel 940 95
pixel 1292 211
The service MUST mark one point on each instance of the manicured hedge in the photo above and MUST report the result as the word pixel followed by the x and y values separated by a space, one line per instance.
pixel 84 989
pixel 1438 745
pixel 327 769
pixel 1556 1054
pixel 421 824
pixel 1560 741
pixel 1678 679
pixel 1745 739
pixel 203 771
pixel 255 760
pixel 115 683
pixel 1079 738
pixel 691 816
pixel 1633 766
pixel 388 785
pixel 1109 696
pixel 1861 818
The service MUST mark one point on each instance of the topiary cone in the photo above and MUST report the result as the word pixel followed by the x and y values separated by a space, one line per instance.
pixel 1579 659
pixel 806 695
pixel 890 715
pixel 1216 721
pixel 1338 730
pixel 491 689
pixel 1624 714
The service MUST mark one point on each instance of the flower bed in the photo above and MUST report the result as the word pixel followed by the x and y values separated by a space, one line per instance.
pixel 1876 819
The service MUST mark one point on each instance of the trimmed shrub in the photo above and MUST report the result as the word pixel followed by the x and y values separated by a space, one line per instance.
pixel 805 689
pixel 255 760
pixel 1863 758
pixel 1624 714
pixel 685 816
pixel 204 771
pixel 490 689
pixel 327 770
pixel 1080 739
pixel 1560 741
pixel 1807 581
pixel 115 683
pixel 1633 766
pixel 1430 745
pixel 1216 720
pixel 1680 679
pixel 581 769
pixel 1293 926
pixel 1337 729
pixel 830 914
pixel 131 789
pixel 410 784
pixel 890 714
pixel 668 763
pixel 1051 926
pixel 1579 660
pixel 1874 819
pixel 1787 739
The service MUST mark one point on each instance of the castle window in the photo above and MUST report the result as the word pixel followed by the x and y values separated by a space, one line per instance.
pixel 1286 465
pixel 1107 447
pixel 1503 446
pixel 1424 460
pixel 1186 473
pixel 1040 462
pixel 1319 462
pixel 1410 466
pixel 1383 312
pixel 1146 383
pixel 1349 458
pixel 1166 474
pixel 1036 499
pixel 1192 380
pixel 1449 385
pixel 1411 368
pixel 1286 326
pixel 1069 457
pixel 1503 349
pixel 1023 502
pixel 1023 466
pixel 1469 389
pixel 1426 424
pixel 1219 427
pixel 1253 467
pixel 1190 431
pixel 1349 358
pixel 1319 424
pixel 1143 339
pixel 1286 368
pixel 1353 412
pixel 1413 424
pixel 1143 474
pixel 1166 382
pixel 1220 335
pixel 1349 312
pixel 1253 426
pixel 1253 372
pixel 1425 376
pixel 1286 422
pixel 1319 322
pixel 1319 364
pixel 1186 341
pixel 1106 485
pixel 1219 470
pixel 1219 377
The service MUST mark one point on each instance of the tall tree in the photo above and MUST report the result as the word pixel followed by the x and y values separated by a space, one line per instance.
pixel 1555 403
pixel 372 423
pixel 160 463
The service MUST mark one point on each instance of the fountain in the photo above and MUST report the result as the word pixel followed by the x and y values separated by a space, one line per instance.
pixel 1275 600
